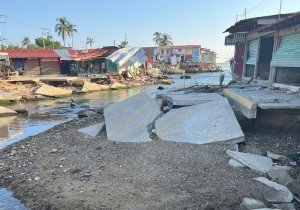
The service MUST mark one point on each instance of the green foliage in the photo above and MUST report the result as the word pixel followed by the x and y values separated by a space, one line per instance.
pixel 90 41
pixel 123 44
pixel 65 29
pixel 49 43
pixel 162 39
pixel 26 42
pixel 13 47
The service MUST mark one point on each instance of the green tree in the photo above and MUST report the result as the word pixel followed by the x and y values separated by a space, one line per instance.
pixel 72 29
pixel 49 43
pixel 12 47
pixel 62 28
pixel 162 39
pixel 26 42
pixel 123 44
pixel 89 41
pixel 157 38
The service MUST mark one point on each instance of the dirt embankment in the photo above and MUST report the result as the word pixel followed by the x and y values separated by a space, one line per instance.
pixel 64 169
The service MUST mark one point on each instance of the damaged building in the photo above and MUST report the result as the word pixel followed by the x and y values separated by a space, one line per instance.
pixel 267 49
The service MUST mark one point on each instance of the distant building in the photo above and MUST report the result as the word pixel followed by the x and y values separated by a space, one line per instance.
pixel 183 53
pixel 267 49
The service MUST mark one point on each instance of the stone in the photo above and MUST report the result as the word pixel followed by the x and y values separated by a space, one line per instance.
pixel 294 186
pixel 249 203
pixel 53 151
pixel 276 156
pixel 127 120
pixel 6 111
pixel 285 206
pixel 92 87
pixel 236 164
pixel 276 193
pixel 256 162
pixel 51 91
pixel 37 178
pixel 92 130
pixel 281 174
pixel 209 122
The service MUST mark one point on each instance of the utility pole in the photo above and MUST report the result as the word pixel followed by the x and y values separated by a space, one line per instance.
pixel 245 13
pixel 280 9
pixel 2 21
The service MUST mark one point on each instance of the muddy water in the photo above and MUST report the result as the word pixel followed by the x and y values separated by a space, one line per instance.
pixel 46 114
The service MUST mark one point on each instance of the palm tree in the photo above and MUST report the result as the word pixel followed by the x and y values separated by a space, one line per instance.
pixel 166 40
pixel 62 28
pixel 123 44
pixel 26 42
pixel 89 41
pixel 157 38
pixel 72 29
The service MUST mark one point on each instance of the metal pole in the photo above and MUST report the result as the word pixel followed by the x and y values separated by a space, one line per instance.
pixel 245 13
pixel 280 9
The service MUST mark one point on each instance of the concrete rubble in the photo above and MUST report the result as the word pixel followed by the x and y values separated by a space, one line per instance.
pixel 276 193
pixel 127 120
pixel 276 156
pixel 5 96
pixel 249 203
pixel 236 164
pixel 5 111
pixel 51 91
pixel 256 162
pixel 281 174
pixel 294 186
pixel 92 130
pixel 91 87
pixel 209 122
pixel 285 206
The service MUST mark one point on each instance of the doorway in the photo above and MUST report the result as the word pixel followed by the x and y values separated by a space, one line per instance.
pixel 265 57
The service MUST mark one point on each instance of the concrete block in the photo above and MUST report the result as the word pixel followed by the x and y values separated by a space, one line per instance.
pixel 281 174
pixel 5 111
pixel 92 130
pixel 285 206
pixel 209 122
pixel 256 162
pixel 9 96
pixel 294 187
pixel 249 203
pixel 236 164
pixel 92 87
pixel 276 193
pixel 127 120
pixel 51 91
pixel 276 156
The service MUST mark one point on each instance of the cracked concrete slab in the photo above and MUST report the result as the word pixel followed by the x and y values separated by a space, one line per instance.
pixel 127 120
pixel 256 162
pixel 92 130
pixel 209 122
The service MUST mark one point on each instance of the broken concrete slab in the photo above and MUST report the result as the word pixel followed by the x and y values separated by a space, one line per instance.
pixel 276 156
pixel 285 206
pixel 256 162
pixel 294 187
pixel 127 120
pixel 51 91
pixel 276 193
pixel 249 203
pixel 281 174
pixel 92 87
pixel 200 124
pixel 92 130
pixel 236 164
pixel 181 98
pixel 6 111
pixel 4 96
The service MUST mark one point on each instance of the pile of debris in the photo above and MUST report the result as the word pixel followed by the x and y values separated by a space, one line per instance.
pixel 200 67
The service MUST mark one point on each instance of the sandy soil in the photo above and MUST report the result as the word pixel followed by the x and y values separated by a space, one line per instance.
pixel 63 169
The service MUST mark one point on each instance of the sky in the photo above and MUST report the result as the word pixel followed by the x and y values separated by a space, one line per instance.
pixel 187 21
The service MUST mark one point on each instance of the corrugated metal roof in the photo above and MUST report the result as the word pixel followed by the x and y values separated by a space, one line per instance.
pixel 283 23
pixel 32 53
pixel 63 54
pixel 91 53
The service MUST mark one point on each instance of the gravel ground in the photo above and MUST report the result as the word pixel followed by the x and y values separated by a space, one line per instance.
pixel 64 169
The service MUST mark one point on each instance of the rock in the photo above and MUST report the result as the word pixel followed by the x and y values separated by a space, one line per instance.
pixel 236 164
pixel 51 91
pixel 294 187
pixel 5 111
pixel 37 178
pixel 53 151
pixel 276 193
pixel 92 130
pixel 249 203
pixel 281 174
pixel 285 206
pixel 256 162
pixel 166 81
pixel 276 156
